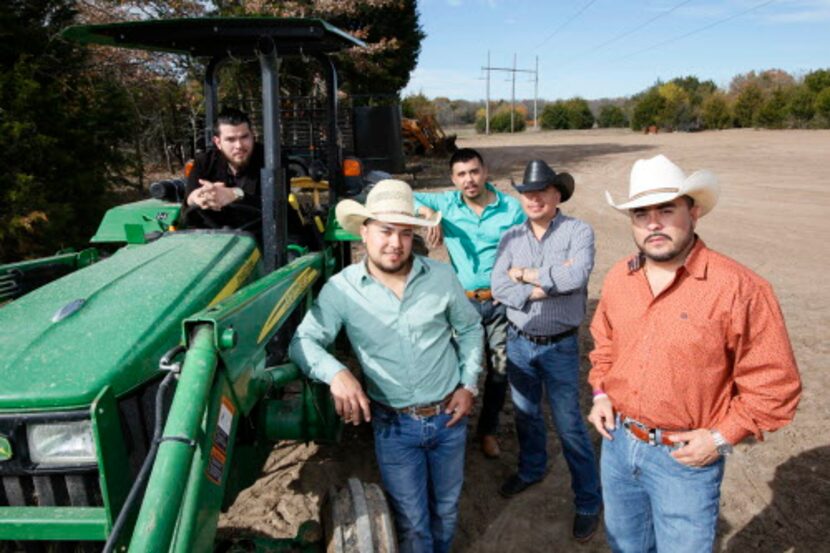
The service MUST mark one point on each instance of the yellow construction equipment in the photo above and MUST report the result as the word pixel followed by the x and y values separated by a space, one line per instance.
pixel 424 136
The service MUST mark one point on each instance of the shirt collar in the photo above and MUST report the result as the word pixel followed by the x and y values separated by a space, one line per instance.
pixel 459 198
pixel 698 259
pixel 696 262
pixel 555 222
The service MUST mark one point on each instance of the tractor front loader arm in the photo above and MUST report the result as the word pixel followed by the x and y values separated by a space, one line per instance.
pixel 224 396
pixel 163 499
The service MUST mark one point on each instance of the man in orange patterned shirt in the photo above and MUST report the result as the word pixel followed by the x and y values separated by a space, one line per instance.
pixel 692 356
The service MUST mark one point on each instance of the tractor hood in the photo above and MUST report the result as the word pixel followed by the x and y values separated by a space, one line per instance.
pixel 109 323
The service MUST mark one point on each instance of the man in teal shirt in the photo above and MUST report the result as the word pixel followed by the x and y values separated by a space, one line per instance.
pixel 474 218
pixel 419 343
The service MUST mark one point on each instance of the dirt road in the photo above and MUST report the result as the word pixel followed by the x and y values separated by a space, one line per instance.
pixel 772 216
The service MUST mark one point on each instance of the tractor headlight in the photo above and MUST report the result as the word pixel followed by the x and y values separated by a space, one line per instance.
pixel 61 443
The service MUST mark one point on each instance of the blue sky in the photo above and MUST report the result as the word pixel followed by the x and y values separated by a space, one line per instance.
pixel 587 48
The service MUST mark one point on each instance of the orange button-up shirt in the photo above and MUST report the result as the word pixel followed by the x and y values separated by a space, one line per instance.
pixel 710 351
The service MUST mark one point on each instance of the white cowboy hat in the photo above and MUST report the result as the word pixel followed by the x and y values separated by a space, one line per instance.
pixel 658 180
pixel 389 201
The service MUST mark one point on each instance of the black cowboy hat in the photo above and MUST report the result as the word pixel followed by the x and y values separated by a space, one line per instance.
pixel 539 175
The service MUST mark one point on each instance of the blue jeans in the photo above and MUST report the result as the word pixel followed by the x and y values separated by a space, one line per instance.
pixel 421 464
pixel 554 368
pixel 654 503
pixel 494 321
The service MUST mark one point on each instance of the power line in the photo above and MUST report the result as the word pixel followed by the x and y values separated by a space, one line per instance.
pixel 635 29
pixel 565 24
pixel 624 34
pixel 690 33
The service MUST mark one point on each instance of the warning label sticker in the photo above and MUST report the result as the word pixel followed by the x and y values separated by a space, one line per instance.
pixel 218 451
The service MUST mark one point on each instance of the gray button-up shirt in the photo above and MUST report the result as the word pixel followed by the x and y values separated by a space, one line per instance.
pixel 564 257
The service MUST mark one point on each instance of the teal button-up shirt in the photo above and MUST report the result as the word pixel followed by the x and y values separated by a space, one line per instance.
pixel 413 351
pixel 473 241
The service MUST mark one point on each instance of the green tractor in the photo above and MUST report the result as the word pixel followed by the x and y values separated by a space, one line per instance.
pixel 143 388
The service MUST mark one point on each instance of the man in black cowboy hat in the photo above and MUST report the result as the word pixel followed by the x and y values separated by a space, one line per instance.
pixel 541 275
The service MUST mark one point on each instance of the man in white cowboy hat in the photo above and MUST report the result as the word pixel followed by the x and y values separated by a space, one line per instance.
pixel 419 342
pixel 692 357
pixel 541 275
pixel 474 217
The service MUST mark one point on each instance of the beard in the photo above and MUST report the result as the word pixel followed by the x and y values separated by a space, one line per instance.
pixel 391 267
pixel 679 248
pixel 242 163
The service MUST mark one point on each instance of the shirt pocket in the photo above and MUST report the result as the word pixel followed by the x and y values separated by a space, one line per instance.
pixel 699 345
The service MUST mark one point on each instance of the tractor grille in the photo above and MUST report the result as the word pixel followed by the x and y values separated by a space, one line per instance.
pixel 52 490
pixel 137 412
pixel 25 484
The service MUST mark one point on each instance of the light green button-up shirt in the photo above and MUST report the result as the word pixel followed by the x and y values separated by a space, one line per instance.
pixel 414 350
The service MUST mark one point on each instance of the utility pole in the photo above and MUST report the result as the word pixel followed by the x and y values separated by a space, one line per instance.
pixel 513 96
pixel 487 103
pixel 513 70
pixel 536 95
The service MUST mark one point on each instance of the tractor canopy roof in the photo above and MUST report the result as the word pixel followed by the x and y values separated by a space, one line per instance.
pixel 217 36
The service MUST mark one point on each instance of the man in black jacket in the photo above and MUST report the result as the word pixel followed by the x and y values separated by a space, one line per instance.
pixel 227 175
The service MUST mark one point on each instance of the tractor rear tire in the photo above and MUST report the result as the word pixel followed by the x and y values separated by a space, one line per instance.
pixel 356 519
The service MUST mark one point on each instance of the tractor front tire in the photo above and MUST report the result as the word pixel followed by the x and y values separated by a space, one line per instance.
pixel 356 519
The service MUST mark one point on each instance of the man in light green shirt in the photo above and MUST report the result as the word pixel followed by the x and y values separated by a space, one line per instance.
pixel 474 217
pixel 419 342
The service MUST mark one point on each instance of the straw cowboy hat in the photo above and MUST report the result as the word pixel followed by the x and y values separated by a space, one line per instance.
pixel 658 180
pixel 539 175
pixel 389 201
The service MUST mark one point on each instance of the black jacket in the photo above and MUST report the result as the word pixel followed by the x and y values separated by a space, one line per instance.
pixel 212 166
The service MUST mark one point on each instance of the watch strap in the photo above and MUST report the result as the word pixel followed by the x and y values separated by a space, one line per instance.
pixel 724 448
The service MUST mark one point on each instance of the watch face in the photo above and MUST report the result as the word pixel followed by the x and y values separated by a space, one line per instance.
pixel 724 449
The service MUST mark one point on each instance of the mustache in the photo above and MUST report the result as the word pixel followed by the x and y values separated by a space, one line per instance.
pixel 657 235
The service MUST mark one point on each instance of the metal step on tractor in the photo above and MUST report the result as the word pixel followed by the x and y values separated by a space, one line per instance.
pixel 144 380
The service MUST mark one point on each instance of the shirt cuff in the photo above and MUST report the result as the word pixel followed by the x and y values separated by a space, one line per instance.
pixel 546 280
pixel 469 379
pixel 733 432
pixel 418 204
pixel 326 369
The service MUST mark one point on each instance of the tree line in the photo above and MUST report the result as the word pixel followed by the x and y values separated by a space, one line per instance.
pixel 771 99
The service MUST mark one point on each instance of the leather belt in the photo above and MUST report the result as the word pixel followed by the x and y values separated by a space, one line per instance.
pixel 482 294
pixel 651 436
pixel 423 411
pixel 544 340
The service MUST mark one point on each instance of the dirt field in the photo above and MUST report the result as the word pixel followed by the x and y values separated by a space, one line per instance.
pixel 772 217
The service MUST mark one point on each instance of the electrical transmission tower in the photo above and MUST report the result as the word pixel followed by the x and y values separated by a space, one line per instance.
pixel 512 71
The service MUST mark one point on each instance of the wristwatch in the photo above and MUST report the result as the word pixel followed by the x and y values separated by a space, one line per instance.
pixel 724 448
pixel 238 193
